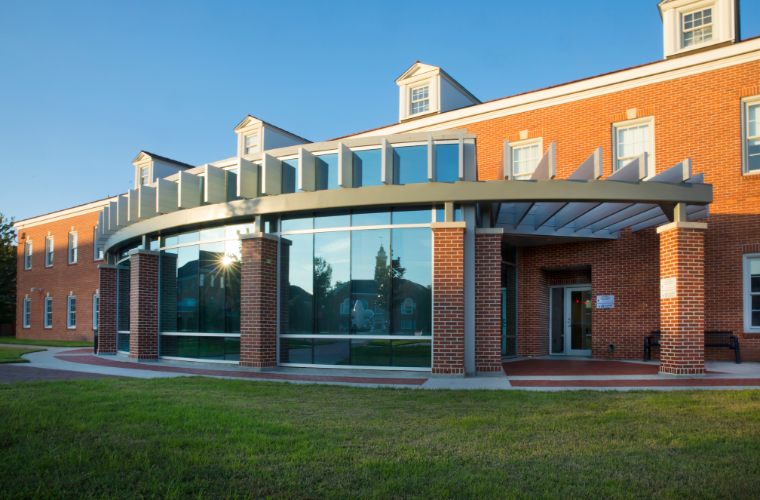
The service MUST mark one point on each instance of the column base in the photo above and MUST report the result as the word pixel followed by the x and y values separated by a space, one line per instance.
pixel 258 365
pixel 681 372
pixel 482 370
pixel 144 357
pixel 447 372
pixel 106 352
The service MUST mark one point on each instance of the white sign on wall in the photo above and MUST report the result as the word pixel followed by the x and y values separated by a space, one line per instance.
pixel 605 301
pixel 668 289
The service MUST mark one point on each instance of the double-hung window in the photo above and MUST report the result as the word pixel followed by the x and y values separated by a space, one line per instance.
pixel 697 27
pixel 73 250
pixel 751 126
pixel 48 320
pixel 71 312
pixel 752 292
pixel 144 176
pixel 632 138
pixel 95 305
pixel 420 99
pixel 49 249
pixel 28 255
pixel 27 312
pixel 252 144
pixel 524 157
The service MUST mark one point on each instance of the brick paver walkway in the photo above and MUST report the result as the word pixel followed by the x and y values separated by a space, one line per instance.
pixel 10 373
pixel 576 367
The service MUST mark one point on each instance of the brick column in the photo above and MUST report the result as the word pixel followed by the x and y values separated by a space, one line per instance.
pixel 143 304
pixel 258 301
pixel 107 309
pixel 448 298
pixel 682 314
pixel 488 300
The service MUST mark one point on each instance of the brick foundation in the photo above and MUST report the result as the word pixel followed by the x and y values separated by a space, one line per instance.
pixel 488 303
pixel 143 305
pixel 258 301
pixel 448 301
pixel 682 318
pixel 107 310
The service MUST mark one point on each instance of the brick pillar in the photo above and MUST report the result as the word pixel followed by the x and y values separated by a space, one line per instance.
pixel 107 309
pixel 143 304
pixel 682 314
pixel 258 301
pixel 448 299
pixel 488 300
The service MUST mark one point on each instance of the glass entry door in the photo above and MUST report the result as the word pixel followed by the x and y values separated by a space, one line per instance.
pixel 578 321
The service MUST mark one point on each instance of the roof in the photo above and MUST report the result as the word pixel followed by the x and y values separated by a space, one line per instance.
pixel 163 159
pixel 272 126
pixel 15 223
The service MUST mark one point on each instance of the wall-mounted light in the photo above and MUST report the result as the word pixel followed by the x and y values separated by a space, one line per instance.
pixel 38 289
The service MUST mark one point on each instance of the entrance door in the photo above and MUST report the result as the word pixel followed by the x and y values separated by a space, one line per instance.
pixel 578 321
pixel 570 330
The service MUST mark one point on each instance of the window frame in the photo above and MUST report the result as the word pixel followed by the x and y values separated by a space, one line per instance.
pixel 73 247
pixel 28 252
pixel 95 310
pixel 682 30
pixel 412 101
pixel 69 324
pixel 145 175
pixel 45 312
pixel 511 156
pixel 746 102
pixel 95 246
pixel 49 251
pixel 26 319
pixel 635 122
pixel 257 135
pixel 747 294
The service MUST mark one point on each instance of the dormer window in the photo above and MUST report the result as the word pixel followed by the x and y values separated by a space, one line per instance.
pixel 144 176
pixel 252 144
pixel 420 99
pixel 697 27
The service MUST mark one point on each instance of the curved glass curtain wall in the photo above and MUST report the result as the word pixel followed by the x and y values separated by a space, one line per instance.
pixel 357 297
pixel 200 293
pixel 122 303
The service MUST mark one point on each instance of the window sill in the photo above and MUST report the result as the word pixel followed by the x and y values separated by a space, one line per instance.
pixel 26 327
pixel 751 173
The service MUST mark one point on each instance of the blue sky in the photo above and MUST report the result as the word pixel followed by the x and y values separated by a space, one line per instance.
pixel 86 85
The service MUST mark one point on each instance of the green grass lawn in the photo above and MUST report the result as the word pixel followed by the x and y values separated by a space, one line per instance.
pixel 47 343
pixel 13 354
pixel 210 438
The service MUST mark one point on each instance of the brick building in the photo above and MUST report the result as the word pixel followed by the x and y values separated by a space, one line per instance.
pixel 571 220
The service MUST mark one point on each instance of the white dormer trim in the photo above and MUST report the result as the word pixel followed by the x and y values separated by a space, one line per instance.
pixel 248 127
pixel 444 93
pixel 673 11
pixel 269 136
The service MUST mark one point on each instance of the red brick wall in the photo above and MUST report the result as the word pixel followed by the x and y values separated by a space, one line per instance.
pixel 697 117
pixel 448 301
pixel 143 305
pixel 107 310
pixel 488 302
pixel 258 303
pixel 682 319
pixel 59 280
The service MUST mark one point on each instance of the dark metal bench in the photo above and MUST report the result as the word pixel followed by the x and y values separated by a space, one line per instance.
pixel 712 339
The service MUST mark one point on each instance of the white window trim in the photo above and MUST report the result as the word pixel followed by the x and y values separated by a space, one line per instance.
pixel 68 313
pixel 427 80
pixel 511 155
pixel 28 252
pixel 95 246
pixel 746 103
pixel 49 251
pixel 45 323
pixel 713 24
pixel 144 174
pixel 26 320
pixel 647 120
pixel 95 310
pixel 716 24
pixel 256 133
pixel 746 259
pixel 76 257
pixel 417 86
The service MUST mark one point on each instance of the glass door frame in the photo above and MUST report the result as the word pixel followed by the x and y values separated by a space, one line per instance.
pixel 568 320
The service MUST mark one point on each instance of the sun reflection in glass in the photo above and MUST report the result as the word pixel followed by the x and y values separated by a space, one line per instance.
pixel 226 260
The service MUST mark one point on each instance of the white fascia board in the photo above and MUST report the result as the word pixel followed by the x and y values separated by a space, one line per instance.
pixel 147 202
pixel 189 190
pixel 660 71
pixel 95 206
pixel 214 189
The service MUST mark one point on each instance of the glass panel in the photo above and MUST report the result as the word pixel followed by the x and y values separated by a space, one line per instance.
pixel 212 233
pixel 122 306
pixel 369 306
pixel 235 231
pixel 154 243
pixel 412 281
pixel 754 267
pixel 756 302
pixel 189 237
pixel 753 150
pixel 332 351
pixel 297 223
pixel 331 281
pixel 290 176
pixel 412 353
pixel 232 349
pixel 122 342
pixel 753 112
pixel 211 287
pixel 410 165
pixel 296 351
pixel 371 218
pixel 170 241
pixel 211 348
pixel 755 284
pixel 367 168
pixel 231 262
pixel 332 219
pixel 412 216
pixel 755 318
pixel 269 223
pixel 168 290
pixel 187 288
pixel 327 172
pixel 580 320
pixel 371 352
pixel 558 320
pixel 447 162
pixel 297 275
pixel 525 159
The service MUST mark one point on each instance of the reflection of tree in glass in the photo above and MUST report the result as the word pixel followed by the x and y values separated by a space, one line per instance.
pixel 397 282
pixel 322 277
